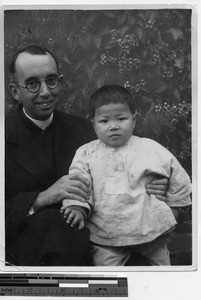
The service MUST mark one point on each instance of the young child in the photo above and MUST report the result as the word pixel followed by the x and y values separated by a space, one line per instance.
pixel 123 217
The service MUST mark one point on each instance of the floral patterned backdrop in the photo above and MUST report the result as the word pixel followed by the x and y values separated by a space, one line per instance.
pixel 147 51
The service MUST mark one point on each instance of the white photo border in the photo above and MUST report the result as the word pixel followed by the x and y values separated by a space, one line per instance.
pixel 23 269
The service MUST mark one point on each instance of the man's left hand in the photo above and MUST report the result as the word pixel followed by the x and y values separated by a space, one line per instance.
pixel 158 187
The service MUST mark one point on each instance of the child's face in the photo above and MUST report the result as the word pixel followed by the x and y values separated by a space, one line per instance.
pixel 114 124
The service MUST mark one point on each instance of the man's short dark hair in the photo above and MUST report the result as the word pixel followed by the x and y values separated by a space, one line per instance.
pixel 31 49
pixel 111 94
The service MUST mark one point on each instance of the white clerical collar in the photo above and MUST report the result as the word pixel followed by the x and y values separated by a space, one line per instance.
pixel 42 124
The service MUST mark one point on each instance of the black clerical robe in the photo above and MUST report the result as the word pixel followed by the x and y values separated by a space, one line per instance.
pixel 33 161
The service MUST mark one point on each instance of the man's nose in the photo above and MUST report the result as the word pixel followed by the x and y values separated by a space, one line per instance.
pixel 44 90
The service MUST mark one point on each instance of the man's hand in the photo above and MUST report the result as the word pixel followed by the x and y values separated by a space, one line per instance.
pixel 158 187
pixel 73 217
pixel 73 186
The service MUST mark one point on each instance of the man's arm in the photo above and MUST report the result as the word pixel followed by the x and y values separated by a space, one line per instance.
pixel 72 186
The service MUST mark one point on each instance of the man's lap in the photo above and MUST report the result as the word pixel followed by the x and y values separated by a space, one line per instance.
pixel 47 232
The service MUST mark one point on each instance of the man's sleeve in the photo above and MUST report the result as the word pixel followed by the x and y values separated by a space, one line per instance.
pixel 18 207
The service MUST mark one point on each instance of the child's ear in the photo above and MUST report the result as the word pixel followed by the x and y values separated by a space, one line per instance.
pixel 92 121
pixel 134 120
pixel 14 91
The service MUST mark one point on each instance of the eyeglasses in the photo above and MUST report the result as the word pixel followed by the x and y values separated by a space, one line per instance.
pixel 34 85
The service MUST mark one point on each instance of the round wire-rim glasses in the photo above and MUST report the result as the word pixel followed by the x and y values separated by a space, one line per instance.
pixel 34 85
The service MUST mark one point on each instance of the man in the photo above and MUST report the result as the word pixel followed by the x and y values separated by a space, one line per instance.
pixel 40 145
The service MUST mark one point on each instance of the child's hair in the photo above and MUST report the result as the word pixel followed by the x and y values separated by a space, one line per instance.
pixel 110 94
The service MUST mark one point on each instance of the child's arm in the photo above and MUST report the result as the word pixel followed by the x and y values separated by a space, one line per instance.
pixel 79 165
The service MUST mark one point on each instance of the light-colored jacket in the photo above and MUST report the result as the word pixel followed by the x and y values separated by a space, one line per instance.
pixel 122 213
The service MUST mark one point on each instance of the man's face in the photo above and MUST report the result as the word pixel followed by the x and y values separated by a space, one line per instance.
pixel 41 104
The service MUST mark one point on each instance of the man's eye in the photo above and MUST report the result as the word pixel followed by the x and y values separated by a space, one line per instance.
pixel 33 84
pixel 52 80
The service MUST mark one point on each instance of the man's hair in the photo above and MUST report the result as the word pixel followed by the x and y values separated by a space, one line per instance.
pixel 108 94
pixel 31 49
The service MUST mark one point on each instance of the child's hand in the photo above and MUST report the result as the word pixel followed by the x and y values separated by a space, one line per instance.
pixel 73 217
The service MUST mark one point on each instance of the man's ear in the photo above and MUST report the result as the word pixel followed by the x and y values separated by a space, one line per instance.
pixel 14 91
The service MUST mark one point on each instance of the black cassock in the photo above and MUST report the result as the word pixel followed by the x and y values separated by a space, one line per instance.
pixel 34 160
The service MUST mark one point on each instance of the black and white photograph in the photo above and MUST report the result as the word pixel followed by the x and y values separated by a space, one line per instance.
pixel 100 161
pixel 99 151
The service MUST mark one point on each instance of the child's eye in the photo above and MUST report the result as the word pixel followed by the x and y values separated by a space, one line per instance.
pixel 103 121
pixel 122 118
